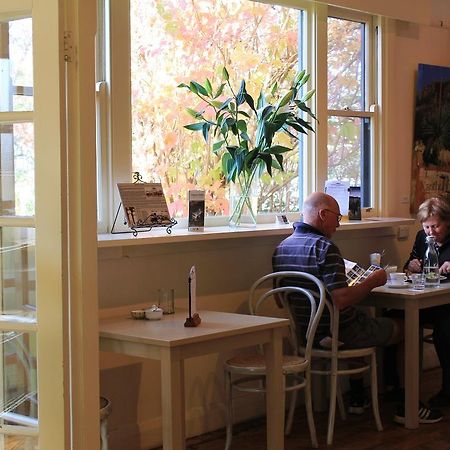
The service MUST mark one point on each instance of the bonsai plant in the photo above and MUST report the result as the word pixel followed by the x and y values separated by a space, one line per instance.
pixel 244 130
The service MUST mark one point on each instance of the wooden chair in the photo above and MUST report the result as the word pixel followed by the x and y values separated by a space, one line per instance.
pixel 240 371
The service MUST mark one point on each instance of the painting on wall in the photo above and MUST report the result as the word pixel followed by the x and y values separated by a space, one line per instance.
pixel 431 151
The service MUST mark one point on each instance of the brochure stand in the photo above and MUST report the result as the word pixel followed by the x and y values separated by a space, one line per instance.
pixel 149 218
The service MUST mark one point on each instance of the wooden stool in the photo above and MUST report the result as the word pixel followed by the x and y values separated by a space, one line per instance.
pixel 105 411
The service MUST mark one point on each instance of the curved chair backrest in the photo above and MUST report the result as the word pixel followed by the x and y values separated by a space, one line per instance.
pixel 281 292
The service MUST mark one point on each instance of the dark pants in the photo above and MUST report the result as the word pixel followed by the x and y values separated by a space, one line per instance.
pixel 438 318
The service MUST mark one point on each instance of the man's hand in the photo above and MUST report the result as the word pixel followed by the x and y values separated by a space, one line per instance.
pixel 377 278
pixel 415 266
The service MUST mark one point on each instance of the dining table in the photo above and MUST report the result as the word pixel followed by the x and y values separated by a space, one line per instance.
pixel 411 301
pixel 171 342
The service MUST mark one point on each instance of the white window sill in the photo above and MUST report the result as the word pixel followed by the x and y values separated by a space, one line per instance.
pixel 160 236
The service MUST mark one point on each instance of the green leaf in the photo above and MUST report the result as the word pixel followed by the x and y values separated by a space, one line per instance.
pixel 208 87
pixel 268 161
pixel 304 124
pixel 274 88
pixel 277 149
pixel 194 126
pixel 217 146
pixel 299 77
pixel 225 74
pixel 240 97
pixel 296 126
pixel 195 114
pixel 183 85
pixel 250 101
pixel 278 163
pixel 225 104
pixel 304 108
pixel 242 125
pixel 219 90
pixel 286 99
pixel 205 130
pixel 308 95
pixel 199 88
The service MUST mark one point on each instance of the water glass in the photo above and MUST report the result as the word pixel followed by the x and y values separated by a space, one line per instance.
pixel 375 259
pixel 166 300
pixel 418 281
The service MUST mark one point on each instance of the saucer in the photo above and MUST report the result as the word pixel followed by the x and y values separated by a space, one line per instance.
pixel 405 285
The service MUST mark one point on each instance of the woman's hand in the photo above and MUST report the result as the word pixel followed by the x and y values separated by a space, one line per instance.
pixel 445 268
pixel 415 266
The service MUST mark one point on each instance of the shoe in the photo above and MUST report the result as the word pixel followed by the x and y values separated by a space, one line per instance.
pixel 426 415
pixel 440 400
pixel 358 405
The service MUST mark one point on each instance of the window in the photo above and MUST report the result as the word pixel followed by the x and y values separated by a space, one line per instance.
pixel 262 42
pixel 350 94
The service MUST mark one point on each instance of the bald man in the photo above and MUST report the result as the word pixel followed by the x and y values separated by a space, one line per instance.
pixel 310 249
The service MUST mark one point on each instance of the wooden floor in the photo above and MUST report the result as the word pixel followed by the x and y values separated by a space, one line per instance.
pixel 357 433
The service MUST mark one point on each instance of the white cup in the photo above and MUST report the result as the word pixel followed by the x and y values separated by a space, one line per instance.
pixel 375 259
pixel 389 270
pixel 397 278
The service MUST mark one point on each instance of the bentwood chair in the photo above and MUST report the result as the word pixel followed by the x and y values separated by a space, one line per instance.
pixel 241 372
pixel 336 361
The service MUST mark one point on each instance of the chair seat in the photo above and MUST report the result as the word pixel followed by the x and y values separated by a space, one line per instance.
pixel 256 364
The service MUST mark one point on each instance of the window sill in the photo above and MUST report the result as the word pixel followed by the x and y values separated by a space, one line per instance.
pixel 160 236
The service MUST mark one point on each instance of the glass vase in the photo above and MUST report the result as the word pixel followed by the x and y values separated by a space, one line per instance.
pixel 244 194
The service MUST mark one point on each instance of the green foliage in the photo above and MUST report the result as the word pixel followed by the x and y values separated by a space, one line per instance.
pixel 243 132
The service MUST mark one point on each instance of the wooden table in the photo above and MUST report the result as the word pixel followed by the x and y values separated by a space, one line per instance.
pixel 411 302
pixel 170 342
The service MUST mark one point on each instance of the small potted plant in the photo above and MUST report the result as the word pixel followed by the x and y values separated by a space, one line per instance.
pixel 243 131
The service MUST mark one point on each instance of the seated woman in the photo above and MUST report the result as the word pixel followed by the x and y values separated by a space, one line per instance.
pixel 434 215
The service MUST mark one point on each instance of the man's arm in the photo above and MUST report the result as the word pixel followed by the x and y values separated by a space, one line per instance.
pixel 350 295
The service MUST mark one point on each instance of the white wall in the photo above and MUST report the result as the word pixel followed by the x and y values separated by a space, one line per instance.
pixel 226 268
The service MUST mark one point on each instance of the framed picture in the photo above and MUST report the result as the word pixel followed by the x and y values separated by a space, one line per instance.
pixel 431 152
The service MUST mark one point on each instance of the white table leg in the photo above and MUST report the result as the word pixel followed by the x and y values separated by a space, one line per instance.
pixel 411 368
pixel 172 396
pixel 275 397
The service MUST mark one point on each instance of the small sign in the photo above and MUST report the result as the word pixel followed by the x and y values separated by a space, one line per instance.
pixel 196 208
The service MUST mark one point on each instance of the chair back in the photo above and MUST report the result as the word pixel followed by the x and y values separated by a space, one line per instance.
pixel 280 291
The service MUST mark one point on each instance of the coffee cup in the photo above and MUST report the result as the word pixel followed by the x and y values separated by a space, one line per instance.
pixel 397 278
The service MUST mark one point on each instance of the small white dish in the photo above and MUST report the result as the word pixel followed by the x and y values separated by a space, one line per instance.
pixel 153 313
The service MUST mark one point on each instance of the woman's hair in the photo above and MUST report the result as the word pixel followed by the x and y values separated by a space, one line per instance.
pixel 435 206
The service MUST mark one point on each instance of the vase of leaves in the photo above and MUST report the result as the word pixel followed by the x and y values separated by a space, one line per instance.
pixel 243 133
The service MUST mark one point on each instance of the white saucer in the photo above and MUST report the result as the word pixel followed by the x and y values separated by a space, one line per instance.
pixel 398 286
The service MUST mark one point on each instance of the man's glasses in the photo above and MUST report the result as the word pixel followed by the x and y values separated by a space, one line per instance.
pixel 338 216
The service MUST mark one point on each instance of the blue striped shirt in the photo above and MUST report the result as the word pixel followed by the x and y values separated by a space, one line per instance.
pixel 308 250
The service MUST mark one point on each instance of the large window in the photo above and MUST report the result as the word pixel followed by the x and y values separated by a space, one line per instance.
pixel 350 94
pixel 261 42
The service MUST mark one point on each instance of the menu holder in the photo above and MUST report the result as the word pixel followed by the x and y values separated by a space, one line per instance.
pixel 194 319
pixel 144 207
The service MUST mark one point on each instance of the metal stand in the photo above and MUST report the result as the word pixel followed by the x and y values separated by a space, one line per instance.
pixel 152 221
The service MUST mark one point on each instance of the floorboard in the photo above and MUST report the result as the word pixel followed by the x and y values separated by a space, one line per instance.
pixel 356 433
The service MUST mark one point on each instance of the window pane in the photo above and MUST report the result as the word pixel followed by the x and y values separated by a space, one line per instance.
pixel 18 280
pixel 17 169
pixel 175 44
pixel 345 64
pixel 349 152
pixel 18 399
pixel 16 65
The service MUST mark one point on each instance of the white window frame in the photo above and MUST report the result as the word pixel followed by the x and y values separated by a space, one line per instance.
pixel 114 93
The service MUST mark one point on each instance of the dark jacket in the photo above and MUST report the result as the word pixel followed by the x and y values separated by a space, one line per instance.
pixel 420 245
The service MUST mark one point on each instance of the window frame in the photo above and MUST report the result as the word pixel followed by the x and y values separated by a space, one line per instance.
pixel 114 93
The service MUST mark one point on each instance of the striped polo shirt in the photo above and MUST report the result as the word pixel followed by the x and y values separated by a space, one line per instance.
pixel 308 250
